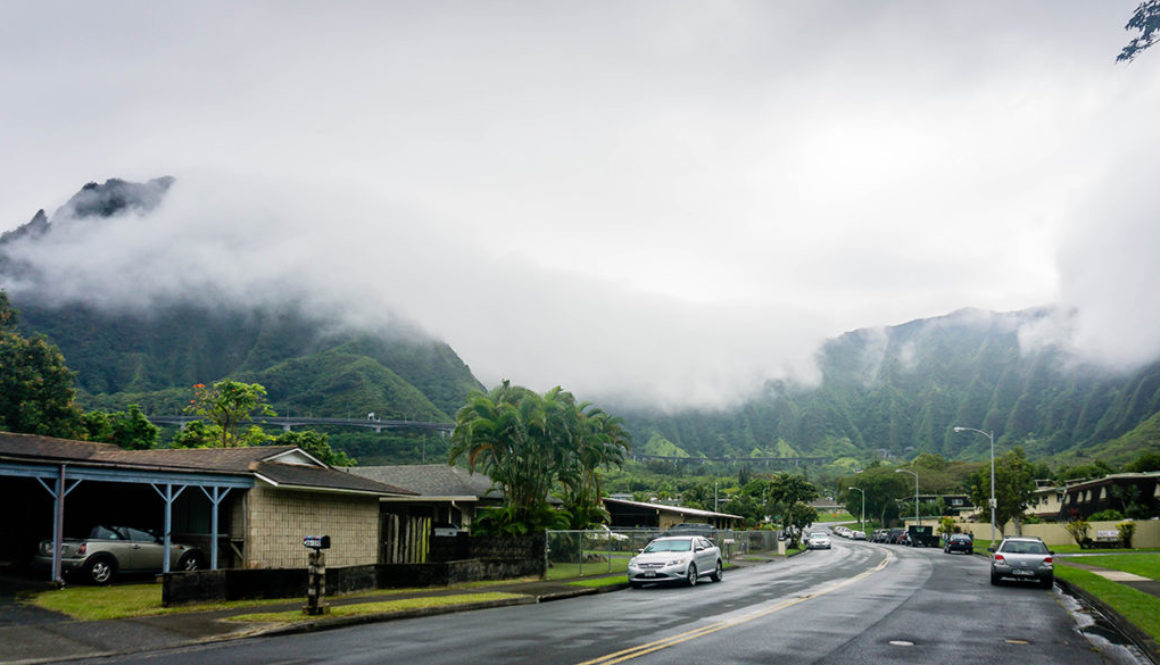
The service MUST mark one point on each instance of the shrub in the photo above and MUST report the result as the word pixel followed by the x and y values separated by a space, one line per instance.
pixel 1078 530
pixel 1127 530
pixel 1109 515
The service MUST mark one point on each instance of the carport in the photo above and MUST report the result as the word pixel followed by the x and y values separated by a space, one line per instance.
pixel 59 467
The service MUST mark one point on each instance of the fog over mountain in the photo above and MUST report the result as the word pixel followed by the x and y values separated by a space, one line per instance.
pixel 658 203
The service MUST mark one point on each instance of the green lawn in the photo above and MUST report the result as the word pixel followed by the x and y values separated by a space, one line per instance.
pixel 1147 565
pixel 563 571
pixel 1142 609
pixel 597 582
pixel 94 603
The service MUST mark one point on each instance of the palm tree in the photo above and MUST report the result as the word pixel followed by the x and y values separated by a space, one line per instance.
pixel 503 434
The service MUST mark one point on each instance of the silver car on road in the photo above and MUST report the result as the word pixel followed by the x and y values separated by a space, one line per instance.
pixel 1022 559
pixel 676 559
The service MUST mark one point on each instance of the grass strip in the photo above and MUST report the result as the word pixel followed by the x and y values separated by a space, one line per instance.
pixel 121 601
pixel 380 607
pixel 597 582
pixel 1147 565
pixel 96 603
pixel 1141 609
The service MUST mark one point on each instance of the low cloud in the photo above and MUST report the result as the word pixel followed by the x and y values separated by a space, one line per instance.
pixel 374 265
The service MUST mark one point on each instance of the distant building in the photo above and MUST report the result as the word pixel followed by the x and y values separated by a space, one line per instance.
pixel 1112 492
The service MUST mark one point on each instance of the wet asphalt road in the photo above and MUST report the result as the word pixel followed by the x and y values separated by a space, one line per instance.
pixel 856 604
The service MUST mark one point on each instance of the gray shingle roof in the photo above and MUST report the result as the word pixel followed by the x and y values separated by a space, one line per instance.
pixel 432 480
pixel 234 461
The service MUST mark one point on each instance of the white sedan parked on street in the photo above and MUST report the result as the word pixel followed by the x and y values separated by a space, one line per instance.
pixel 676 559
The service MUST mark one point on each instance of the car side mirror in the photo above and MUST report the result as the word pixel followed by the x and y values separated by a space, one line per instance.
pixel 991 548
pixel 1052 552
pixel 640 551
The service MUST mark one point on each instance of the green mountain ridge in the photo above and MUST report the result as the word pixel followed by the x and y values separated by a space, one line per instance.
pixel 896 391
pixel 900 391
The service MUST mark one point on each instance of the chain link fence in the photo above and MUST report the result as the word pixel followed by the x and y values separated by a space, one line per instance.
pixel 606 551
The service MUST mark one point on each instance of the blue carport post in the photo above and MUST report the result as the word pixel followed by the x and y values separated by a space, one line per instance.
pixel 169 496
pixel 58 495
pixel 218 493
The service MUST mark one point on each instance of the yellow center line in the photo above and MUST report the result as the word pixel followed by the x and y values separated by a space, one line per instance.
pixel 645 649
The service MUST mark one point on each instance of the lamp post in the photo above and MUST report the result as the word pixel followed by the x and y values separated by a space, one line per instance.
pixel 917 519
pixel 990 437
pixel 863 507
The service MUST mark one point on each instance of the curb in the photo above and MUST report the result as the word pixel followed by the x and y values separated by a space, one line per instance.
pixel 1137 637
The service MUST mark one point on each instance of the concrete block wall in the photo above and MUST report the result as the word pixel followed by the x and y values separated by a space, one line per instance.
pixel 278 519
pixel 1147 531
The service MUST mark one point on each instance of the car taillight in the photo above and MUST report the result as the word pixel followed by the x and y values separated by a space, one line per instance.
pixel 82 548
pixel 1047 560
pixel 999 557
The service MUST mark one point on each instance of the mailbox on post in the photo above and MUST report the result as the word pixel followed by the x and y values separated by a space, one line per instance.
pixel 316 575
pixel 316 542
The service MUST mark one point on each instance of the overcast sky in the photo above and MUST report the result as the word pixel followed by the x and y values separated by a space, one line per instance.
pixel 671 201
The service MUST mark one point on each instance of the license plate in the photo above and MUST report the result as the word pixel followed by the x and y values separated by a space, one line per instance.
pixel 1023 573
pixel 649 574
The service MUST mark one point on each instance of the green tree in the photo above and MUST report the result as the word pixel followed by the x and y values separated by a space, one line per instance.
pixel 531 445
pixel 503 434
pixel 1146 20
pixel 36 389
pixel 590 439
pixel 790 495
pixel 229 405
pixel 1014 487
pixel 130 429
pixel 883 489
pixel 197 434
pixel 1144 463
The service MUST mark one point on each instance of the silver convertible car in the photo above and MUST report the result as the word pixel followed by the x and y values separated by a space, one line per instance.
pixel 110 550
pixel 676 559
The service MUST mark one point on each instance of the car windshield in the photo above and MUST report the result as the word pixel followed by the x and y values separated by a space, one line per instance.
pixel 682 545
pixel 1024 547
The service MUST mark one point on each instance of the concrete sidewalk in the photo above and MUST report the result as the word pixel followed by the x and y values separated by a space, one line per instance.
pixel 39 636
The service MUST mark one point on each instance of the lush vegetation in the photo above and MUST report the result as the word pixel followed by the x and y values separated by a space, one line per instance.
pixel 532 445
pixel 900 391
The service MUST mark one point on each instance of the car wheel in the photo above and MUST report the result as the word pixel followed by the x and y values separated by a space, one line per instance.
pixel 1047 582
pixel 691 575
pixel 190 562
pixel 100 569
pixel 718 573
pixel 994 579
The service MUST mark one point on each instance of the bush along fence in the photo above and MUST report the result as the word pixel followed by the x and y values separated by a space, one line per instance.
pixel 473 560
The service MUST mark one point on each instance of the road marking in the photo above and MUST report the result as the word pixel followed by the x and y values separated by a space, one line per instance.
pixel 651 647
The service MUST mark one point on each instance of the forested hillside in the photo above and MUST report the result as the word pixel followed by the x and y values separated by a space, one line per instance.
pixel 902 389
pixel 308 362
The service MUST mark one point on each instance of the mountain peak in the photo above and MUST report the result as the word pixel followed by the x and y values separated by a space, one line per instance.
pixel 115 196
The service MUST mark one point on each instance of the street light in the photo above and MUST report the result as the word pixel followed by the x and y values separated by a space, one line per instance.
pixel 863 507
pixel 990 437
pixel 917 519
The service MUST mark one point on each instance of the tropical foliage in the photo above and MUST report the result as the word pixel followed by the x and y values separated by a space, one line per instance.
pixel 36 388
pixel 1014 487
pixel 531 445
pixel 229 405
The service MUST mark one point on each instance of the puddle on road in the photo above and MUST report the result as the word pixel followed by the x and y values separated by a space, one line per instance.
pixel 1101 634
